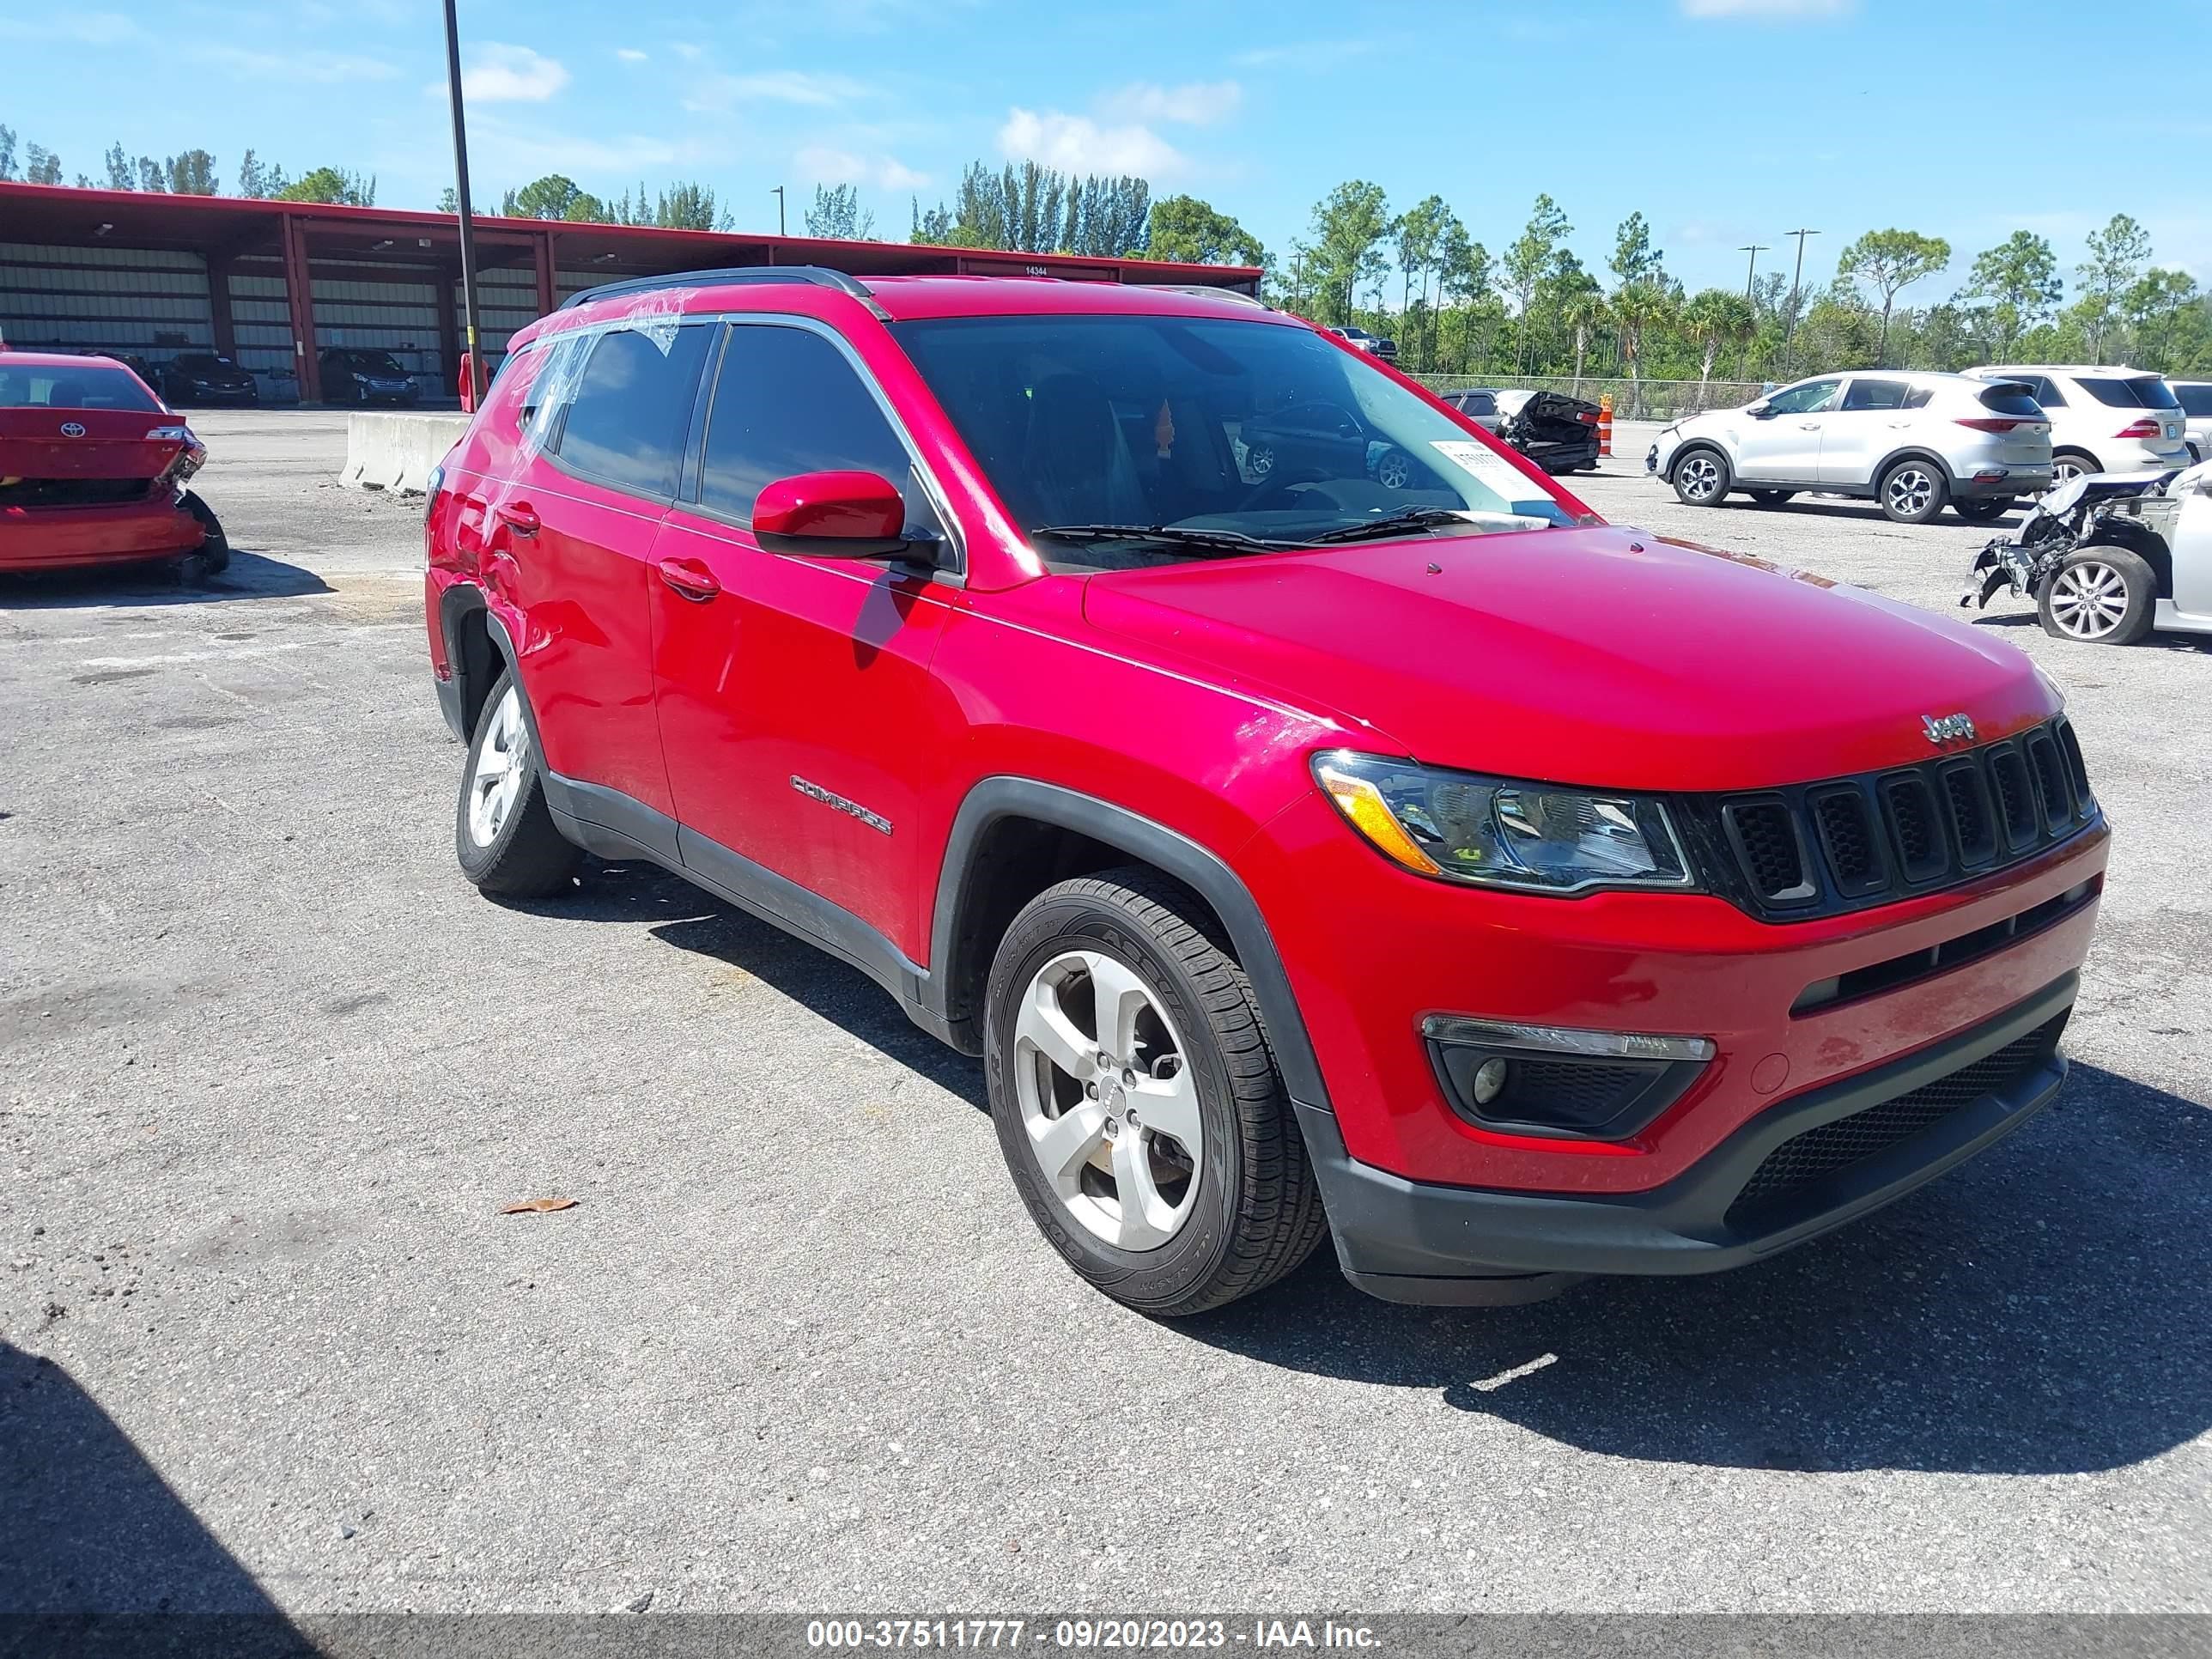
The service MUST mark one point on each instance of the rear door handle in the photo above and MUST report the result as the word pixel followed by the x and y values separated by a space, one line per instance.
pixel 691 579
pixel 518 517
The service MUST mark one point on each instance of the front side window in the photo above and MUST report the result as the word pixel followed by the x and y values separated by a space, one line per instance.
pixel 2047 392
pixel 2195 400
pixel 787 402
pixel 1813 398
pixel 1479 403
pixel 1214 436
pixel 1876 394
pixel 632 407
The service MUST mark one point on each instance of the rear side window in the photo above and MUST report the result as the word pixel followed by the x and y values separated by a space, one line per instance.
pixel 2147 392
pixel 788 402
pixel 2195 400
pixel 1916 396
pixel 1876 394
pixel 2010 397
pixel 632 410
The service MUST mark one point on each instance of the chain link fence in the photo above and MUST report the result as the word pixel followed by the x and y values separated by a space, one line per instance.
pixel 1647 400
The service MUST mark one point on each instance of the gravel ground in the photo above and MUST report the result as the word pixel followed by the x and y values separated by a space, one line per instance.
pixel 268 1069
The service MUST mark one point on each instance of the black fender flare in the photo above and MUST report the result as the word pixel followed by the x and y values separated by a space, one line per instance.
pixel 1912 452
pixel 1195 865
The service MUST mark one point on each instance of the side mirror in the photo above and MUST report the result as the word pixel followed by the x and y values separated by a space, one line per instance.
pixel 832 516
pixel 1759 411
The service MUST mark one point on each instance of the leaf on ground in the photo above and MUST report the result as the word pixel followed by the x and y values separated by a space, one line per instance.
pixel 539 1205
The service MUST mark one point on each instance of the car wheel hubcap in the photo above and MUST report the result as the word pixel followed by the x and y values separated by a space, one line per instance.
pixel 1699 477
pixel 2088 600
pixel 1910 491
pixel 1108 1103
pixel 1391 474
pixel 502 761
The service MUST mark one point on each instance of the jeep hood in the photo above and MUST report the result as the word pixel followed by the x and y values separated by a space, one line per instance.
pixel 1597 655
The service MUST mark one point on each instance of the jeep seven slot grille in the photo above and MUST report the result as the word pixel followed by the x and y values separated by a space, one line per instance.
pixel 1845 843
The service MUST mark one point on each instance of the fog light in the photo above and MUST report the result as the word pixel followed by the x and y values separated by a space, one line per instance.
pixel 1489 1082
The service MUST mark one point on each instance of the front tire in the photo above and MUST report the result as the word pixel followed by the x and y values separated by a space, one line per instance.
pixel 503 834
pixel 2099 596
pixel 212 556
pixel 1137 1100
pixel 1700 477
pixel 1913 492
pixel 1772 497
pixel 1987 511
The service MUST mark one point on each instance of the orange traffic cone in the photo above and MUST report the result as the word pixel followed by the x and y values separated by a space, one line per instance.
pixel 1605 424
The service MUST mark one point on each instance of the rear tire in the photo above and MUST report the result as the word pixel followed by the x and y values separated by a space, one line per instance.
pixel 2099 596
pixel 1225 1200
pixel 1913 492
pixel 503 833
pixel 2069 463
pixel 1700 477
pixel 1772 497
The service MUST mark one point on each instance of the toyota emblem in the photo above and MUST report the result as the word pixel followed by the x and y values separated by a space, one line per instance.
pixel 72 428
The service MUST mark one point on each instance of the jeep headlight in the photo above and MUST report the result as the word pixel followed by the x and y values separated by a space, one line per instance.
pixel 1504 832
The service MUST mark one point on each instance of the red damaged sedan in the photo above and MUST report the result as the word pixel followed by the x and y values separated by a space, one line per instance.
pixel 92 470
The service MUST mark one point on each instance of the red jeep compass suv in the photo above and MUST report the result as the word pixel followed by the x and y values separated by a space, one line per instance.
pixel 1374 842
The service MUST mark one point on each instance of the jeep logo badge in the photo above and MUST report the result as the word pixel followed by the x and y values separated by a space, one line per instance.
pixel 1948 728
pixel 72 428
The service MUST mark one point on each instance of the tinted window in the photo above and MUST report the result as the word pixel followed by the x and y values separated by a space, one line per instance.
pixel 1876 394
pixel 2009 398
pixel 90 387
pixel 2195 400
pixel 1808 399
pixel 2045 390
pixel 2149 392
pixel 1479 403
pixel 788 402
pixel 1919 395
pixel 633 407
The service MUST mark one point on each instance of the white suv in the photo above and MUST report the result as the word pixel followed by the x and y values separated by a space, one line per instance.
pixel 2195 399
pixel 2103 420
pixel 1910 441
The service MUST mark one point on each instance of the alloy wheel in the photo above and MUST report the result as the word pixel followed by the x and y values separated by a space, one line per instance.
pixel 1700 476
pixel 1394 472
pixel 2088 599
pixel 1109 1106
pixel 1910 490
pixel 503 763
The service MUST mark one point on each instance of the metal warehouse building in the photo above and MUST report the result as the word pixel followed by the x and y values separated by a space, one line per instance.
pixel 273 283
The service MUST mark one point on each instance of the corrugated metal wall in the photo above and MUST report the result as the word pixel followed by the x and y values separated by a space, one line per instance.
pixel 139 302
pixel 261 318
pixel 394 307
pixel 507 302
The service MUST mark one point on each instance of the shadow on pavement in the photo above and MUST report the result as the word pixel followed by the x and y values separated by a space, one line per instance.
pixel 2191 644
pixel 97 1554
pixel 249 576
pixel 2046 1308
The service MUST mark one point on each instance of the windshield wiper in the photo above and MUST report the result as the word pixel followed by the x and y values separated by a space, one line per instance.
pixel 1233 539
pixel 1414 518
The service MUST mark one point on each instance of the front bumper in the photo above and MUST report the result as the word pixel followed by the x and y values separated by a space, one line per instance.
pixel 61 537
pixel 1406 1241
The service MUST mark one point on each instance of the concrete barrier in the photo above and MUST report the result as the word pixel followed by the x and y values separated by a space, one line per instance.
pixel 397 452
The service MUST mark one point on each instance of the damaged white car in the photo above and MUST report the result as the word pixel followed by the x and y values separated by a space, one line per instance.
pixel 2108 556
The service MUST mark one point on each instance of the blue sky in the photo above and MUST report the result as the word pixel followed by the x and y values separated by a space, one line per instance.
pixel 1725 121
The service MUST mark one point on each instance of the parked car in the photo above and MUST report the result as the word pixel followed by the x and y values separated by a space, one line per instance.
pixel 1913 442
pixel 358 375
pixel 206 377
pixel 1372 343
pixel 2102 420
pixel 1309 442
pixel 1556 432
pixel 1509 895
pixel 2195 397
pixel 93 471
pixel 2109 557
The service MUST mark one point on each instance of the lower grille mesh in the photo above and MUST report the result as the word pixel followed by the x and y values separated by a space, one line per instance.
pixel 1832 1147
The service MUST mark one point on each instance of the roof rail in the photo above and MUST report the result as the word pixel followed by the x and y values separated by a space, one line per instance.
pixel 820 276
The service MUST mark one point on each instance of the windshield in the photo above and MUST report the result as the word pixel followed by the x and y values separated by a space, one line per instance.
pixel 374 362
pixel 90 387
pixel 1216 429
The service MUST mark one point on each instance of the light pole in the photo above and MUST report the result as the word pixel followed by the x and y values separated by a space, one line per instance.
pixel 1754 249
pixel 471 354
pixel 778 193
pixel 1790 327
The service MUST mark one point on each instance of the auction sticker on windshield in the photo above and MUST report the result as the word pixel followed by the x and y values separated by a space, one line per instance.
pixel 1486 465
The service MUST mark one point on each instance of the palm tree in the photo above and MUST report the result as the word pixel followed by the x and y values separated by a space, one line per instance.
pixel 1637 308
pixel 1716 318
pixel 1582 308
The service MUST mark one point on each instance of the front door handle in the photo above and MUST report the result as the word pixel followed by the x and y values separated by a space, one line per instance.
pixel 517 516
pixel 691 579
pixel 1808 425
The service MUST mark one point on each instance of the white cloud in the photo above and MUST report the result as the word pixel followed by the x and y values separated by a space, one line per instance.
pixel 721 92
pixel 325 68
pixel 498 150
pixel 1304 54
pixel 1200 103
pixel 630 54
pixel 1778 10
pixel 687 50
pixel 827 165
pixel 91 28
pixel 512 74
pixel 1076 143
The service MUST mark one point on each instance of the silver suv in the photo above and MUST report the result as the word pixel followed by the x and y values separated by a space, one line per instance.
pixel 2103 420
pixel 1914 442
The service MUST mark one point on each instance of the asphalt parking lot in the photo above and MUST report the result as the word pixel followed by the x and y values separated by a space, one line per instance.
pixel 270 1069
